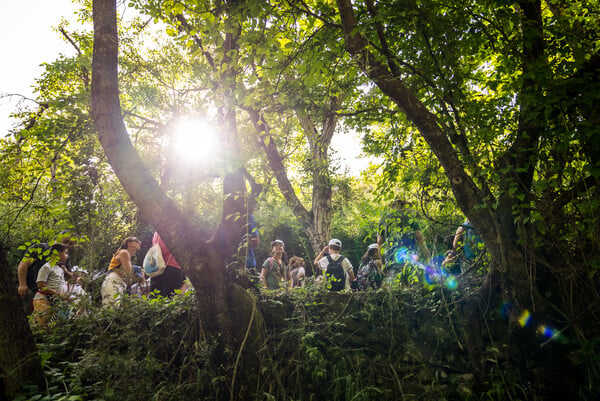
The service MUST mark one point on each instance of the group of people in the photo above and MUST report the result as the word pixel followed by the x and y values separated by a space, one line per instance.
pixel 398 256
pixel 336 270
pixel 123 274
pixel 44 270
pixel 42 275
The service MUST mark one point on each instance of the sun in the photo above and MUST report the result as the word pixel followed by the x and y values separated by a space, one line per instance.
pixel 195 139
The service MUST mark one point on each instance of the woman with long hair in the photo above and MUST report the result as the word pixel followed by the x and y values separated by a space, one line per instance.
pixel 297 272
pixel 120 271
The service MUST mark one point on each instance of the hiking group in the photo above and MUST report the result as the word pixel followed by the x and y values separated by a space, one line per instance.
pixel 399 255
pixel 45 272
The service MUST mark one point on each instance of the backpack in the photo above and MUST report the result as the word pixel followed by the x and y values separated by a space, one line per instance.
pixel 336 276
pixel 40 254
pixel 154 264
pixel 369 276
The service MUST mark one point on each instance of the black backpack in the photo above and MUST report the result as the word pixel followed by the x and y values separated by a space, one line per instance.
pixel 40 254
pixel 336 276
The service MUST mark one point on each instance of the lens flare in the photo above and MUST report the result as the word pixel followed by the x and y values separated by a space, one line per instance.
pixel 525 318
pixel 451 283
pixel 546 331
pixel 401 255
pixel 505 309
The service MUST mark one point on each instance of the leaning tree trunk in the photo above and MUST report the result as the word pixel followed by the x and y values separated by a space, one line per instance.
pixel 203 257
pixel 19 360
pixel 495 224
pixel 495 227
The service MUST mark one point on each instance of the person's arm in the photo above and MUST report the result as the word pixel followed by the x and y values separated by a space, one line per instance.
pixel 24 264
pixel 349 270
pixel 43 286
pixel 351 275
pixel 124 259
pixel 379 244
pixel 263 277
pixel 288 277
pixel 457 237
pixel 320 256
pixel 255 241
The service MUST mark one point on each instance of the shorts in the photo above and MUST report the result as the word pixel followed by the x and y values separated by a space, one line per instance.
pixel 41 310
pixel 112 287
pixel 172 279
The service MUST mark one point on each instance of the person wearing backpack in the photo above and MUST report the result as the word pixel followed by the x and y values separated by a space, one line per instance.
pixel 467 245
pixel 34 258
pixel 50 284
pixel 337 269
pixel 173 278
pixel 369 274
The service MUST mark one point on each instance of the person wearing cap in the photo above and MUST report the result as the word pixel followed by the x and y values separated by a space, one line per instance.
pixel 369 274
pixel 274 273
pixel 333 248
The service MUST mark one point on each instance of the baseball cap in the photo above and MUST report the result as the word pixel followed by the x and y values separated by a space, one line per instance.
pixel 335 242
pixel 277 241
pixel 372 246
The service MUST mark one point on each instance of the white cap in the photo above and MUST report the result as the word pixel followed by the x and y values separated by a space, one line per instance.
pixel 277 241
pixel 335 242
pixel 373 246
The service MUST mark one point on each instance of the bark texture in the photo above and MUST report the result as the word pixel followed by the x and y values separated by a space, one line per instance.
pixel 203 257
pixel 19 360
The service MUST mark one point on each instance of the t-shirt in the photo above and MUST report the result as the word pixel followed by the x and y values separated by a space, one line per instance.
pixel 369 276
pixel 346 265
pixel 54 278
pixel 276 273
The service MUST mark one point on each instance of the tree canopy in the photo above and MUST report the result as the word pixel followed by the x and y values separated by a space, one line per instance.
pixel 486 111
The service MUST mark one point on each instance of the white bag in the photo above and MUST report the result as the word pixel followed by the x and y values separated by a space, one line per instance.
pixel 154 264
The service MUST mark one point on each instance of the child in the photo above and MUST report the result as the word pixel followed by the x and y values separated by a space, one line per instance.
pixel 297 271
pixel 50 282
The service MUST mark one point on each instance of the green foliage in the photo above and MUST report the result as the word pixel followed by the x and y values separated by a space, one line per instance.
pixel 321 345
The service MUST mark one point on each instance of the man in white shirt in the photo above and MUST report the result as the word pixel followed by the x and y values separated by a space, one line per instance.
pixel 332 262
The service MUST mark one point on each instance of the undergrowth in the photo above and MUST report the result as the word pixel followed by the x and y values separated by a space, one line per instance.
pixel 392 344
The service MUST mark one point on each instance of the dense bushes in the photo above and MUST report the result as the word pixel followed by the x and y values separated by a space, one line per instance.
pixel 397 343
pixel 360 346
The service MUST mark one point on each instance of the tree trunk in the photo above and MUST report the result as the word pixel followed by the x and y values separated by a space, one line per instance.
pixel 19 360
pixel 202 257
pixel 316 222
pixel 496 227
